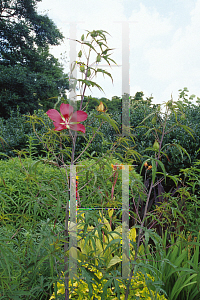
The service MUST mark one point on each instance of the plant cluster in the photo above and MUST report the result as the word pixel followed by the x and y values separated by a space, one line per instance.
pixel 69 209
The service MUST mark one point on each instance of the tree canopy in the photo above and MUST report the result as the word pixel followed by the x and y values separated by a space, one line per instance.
pixel 29 73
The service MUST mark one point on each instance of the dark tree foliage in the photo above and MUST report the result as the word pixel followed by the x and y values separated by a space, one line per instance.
pixel 30 75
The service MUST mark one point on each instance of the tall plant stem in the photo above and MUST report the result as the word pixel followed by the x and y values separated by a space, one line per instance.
pixel 66 244
pixel 145 211
pixel 138 242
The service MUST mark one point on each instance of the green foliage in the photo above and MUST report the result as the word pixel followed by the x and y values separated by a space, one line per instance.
pixel 22 29
pixel 30 75
pixel 188 117
pixel 31 189
pixel 28 89
pixel 99 264
pixel 93 175
pixel 177 265
pixel 192 208
pixel 107 289
pixel 27 256
pixel 17 134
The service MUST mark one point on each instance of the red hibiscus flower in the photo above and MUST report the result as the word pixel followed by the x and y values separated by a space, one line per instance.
pixel 67 119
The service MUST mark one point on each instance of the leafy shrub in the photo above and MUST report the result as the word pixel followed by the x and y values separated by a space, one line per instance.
pixel 100 278
pixel 100 173
pixel 30 188
pixel 192 202
pixel 18 134
pixel 27 257
pixel 80 289
pixel 176 265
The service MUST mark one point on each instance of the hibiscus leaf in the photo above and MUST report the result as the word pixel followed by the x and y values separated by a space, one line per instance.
pixel 92 83
pixel 89 45
pixel 104 72
pixel 107 118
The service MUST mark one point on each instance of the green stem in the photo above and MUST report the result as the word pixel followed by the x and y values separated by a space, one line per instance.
pixel 138 242
pixel 66 244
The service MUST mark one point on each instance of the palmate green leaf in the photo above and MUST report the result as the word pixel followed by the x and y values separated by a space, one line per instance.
pixel 179 105
pixel 101 43
pixel 41 244
pixel 107 118
pixel 149 131
pixel 106 58
pixel 151 149
pixel 104 72
pixel 89 45
pixel 186 128
pixel 112 61
pixel 162 167
pixel 89 236
pixel 113 242
pixel 99 32
pixel 147 118
pixel 92 83
pixel 179 147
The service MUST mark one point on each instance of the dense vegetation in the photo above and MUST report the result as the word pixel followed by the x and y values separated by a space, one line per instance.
pixel 30 75
pixel 108 204
pixel 33 191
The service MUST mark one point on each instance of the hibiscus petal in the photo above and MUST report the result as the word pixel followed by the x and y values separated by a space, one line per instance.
pixel 58 126
pixel 79 116
pixel 77 127
pixel 66 110
pixel 54 115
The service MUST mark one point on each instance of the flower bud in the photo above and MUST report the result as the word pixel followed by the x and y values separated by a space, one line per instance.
pixel 98 58
pixel 153 121
pixel 156 145
pixel 80 53
pixel 88 73
pixel 82 68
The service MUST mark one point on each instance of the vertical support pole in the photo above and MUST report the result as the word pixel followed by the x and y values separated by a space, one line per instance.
pixel 125 80
pixel 72 225
pixel 73 69
pixel 125 222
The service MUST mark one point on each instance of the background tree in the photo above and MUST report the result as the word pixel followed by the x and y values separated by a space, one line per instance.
pixel 30 75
